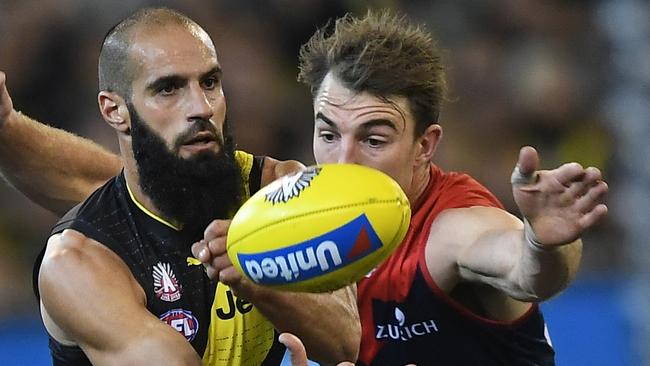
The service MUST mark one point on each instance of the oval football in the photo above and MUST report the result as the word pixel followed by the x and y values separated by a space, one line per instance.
pixel 320 229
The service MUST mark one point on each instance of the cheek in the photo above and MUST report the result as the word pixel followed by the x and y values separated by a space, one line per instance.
pixel 219 104
pixel 172 137
pixel 399 166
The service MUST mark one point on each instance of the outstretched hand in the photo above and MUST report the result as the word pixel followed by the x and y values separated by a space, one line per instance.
pixel 6 106
pixel 561 203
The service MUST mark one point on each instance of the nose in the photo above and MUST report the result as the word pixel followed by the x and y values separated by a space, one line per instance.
pixel 200 105
pixel 347 153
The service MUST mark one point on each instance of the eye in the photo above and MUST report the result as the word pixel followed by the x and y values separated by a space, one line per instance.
pixel 168 89
pixel 327 136
pixel 375 142
pixel 210 83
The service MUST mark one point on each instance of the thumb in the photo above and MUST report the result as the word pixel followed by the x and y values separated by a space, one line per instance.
pixel 527 165
pixel 297 352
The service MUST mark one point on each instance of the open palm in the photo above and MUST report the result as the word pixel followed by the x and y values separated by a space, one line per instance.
pixel 561 203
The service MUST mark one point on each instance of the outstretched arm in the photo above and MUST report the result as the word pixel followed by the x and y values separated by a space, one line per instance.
pixel 52 167
pixel 535 260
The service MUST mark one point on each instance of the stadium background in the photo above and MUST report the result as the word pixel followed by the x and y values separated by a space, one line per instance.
pixel 568 77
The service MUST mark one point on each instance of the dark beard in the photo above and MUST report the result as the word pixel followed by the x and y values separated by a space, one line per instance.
pixel 191 191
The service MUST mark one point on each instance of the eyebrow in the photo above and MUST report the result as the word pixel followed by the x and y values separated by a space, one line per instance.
pixel 163 81
pixel 322 117
pixel 366 125
pixel 215 71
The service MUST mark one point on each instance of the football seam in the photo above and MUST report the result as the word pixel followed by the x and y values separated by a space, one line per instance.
pixel 316 212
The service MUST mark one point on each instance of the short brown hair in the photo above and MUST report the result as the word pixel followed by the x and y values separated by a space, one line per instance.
pixel 383 54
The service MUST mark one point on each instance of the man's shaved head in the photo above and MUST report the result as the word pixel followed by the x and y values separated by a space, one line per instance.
pixel 115 67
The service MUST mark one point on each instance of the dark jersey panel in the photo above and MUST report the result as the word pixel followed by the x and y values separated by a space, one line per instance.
pixel 424 329
pixel 178 291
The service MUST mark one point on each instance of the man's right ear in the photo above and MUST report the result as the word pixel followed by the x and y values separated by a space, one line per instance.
pixel 114 110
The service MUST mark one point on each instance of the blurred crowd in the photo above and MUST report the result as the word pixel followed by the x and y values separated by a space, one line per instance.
pixel 535 72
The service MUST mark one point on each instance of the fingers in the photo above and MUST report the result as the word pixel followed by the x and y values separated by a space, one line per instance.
pixel 568 173
pixel 230 276
pixel 298 355
pixel 200 251
pixel 220 268
pixel 217 246
pixel 590 179
pixel 205 251
pixel 592 198
pixel 213 254
pixel 213 243
pixel 592 217
pixel 216 229
pixel 571 179
pixel 211 251
pixel 528 161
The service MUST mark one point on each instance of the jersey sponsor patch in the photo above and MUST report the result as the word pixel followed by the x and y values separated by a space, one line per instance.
pixel 183 321
pixel 165 284
pixel 392 323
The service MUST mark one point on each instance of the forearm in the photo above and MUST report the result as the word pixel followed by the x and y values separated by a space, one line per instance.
pixel 543 272
pixel 328 323
pixel 523 272
pixel 52 167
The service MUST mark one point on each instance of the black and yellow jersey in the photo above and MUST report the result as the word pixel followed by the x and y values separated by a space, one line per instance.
pixel 222 328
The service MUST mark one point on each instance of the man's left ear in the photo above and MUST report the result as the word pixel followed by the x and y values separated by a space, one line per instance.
pixel 427 143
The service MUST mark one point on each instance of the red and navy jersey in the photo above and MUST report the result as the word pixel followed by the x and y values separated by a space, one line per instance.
pixel 406 318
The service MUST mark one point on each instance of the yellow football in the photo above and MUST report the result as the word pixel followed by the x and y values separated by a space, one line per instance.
pixel 320 229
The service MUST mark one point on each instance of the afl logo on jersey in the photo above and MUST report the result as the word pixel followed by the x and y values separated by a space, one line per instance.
pixel 183 321
pixel 165 284
pixel 290 186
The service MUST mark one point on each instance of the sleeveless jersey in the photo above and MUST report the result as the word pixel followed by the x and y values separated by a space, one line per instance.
pixel 222 328
pixel 406 318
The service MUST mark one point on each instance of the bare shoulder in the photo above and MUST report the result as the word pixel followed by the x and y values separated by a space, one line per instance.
pixel 77 276
pixel 274 169
pixel 72 251
pixel 64 251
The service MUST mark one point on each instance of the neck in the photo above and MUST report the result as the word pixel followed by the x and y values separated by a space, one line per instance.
pixel 141 199
pixel 420 181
